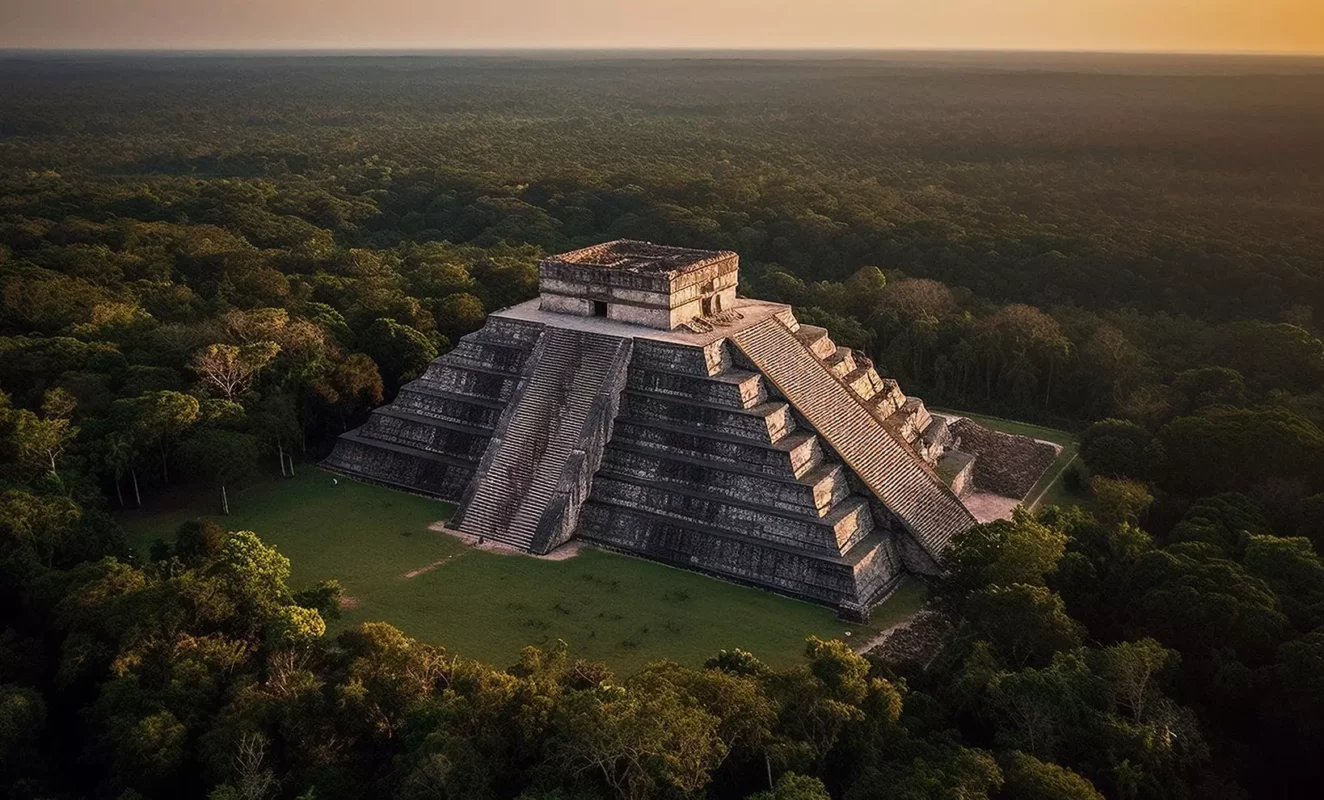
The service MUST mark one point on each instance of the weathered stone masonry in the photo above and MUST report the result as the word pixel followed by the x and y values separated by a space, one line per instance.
pixel 640 405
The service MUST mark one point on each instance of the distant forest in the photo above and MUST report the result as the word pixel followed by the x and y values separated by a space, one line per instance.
pixel 208 263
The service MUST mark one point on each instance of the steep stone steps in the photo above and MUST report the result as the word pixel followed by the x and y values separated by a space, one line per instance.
pixel 927 508
pixel 537 434
pixel 426 434
pixel 440 410
pixel 864 381
pixel 424 392
pixel 887 401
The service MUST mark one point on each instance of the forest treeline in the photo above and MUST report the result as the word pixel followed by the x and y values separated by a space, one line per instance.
pixel 211 267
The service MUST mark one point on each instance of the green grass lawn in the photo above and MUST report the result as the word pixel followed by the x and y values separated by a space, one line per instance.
pixel 612 608
pixel 1049 489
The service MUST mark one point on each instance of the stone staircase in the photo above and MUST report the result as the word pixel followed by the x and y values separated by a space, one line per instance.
pixel 539 431
pixel 793 364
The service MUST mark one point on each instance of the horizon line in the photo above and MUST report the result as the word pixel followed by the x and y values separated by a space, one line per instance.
pixel 465 49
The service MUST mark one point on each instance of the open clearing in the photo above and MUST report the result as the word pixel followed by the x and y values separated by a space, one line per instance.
pixel 487 605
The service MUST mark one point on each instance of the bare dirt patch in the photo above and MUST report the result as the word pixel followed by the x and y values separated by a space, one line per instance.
pixel 568 550
pixel 347 602
pixel 988 507
pixel 414 573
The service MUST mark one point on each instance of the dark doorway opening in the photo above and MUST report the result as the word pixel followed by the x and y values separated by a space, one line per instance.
pixel 707 306
pixel 599 308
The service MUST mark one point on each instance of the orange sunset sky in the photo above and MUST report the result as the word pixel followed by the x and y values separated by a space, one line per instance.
pixel 1282 26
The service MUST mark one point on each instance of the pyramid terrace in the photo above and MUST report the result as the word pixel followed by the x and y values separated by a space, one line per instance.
pixel 639 405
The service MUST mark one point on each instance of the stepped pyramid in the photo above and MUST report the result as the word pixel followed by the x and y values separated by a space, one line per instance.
pixel 640 405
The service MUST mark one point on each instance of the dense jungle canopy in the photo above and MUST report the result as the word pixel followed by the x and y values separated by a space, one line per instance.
pixel 209 262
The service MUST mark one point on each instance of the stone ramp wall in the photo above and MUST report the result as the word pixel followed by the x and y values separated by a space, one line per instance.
pixel 559 521
pixel 890 470
pixel 539 434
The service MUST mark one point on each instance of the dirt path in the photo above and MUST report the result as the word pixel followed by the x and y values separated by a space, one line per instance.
pixel 414 573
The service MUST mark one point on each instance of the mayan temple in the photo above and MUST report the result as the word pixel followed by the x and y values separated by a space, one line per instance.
pixel 640 405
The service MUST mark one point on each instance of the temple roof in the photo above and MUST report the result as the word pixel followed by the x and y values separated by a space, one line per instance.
pixel 629 255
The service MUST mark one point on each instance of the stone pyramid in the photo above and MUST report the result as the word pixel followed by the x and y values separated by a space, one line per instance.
pixel 640 405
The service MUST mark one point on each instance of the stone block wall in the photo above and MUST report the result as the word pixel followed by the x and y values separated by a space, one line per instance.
pixel 1005 464
pixel 431 438
pixel 705 472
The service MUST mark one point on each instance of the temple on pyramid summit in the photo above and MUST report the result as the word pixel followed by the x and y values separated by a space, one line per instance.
pixel 640 405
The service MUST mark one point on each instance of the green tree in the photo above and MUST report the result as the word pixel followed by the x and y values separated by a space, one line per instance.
pixel 1028 778
pixel 1225 448
pixel 1025 624
pixel 460 313
pixel 1194 600
pixel 253 573
pixel 1226 521
pixel 157 417
pixel 1004 552
pixel 1120 501
pixel 150 751
pixel 1132 672
pixel 638 744
pixel 198 541
pixel 1293 571
pixel 41 440
pixel 22 724
pixel 119 455
pixel 231 370
pixel 44 524
pixel 401 352
pixel 1273 355
pixel 1119 449
pixel 1310 520
pixel 1210 386
pixel 352 385
pixel 791 786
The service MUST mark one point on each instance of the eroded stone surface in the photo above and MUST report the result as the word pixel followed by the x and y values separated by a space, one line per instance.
pixel 738 442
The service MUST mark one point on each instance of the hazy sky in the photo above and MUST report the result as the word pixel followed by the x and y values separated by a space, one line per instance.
pixel 1183 25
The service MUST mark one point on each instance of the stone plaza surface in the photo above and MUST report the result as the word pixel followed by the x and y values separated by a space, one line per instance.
pixel 735 442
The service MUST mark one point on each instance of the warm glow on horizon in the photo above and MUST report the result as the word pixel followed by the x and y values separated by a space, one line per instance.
pixel 1280 26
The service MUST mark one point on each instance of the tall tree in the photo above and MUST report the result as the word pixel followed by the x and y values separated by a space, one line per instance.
pixel 231 370
pixel 160 418
pixel 42 439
